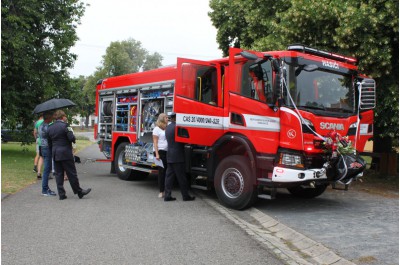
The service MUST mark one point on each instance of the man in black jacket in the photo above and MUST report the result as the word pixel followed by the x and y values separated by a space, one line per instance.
pixel 176 164
pixel 60 138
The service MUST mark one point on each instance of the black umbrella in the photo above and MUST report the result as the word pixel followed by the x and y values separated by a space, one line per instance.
pixel 53 104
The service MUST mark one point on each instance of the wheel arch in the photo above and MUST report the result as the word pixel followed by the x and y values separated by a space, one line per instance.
pixel 121 139
pixel 233 144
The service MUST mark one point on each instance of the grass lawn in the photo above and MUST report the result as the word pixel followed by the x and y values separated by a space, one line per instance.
pixel 17 165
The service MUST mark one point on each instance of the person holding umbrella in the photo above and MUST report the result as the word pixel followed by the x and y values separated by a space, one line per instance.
pixel 60 138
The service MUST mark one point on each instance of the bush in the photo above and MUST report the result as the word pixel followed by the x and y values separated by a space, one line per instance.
pixel 22 136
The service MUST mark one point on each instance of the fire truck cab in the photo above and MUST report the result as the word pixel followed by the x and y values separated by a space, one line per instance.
pixel 251 123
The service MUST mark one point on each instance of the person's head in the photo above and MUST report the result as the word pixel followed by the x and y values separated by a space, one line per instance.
pixel 162 121
pixel 172 116
pixel 48 116
pixel 60 115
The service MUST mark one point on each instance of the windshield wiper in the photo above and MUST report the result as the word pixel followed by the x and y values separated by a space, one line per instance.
pixel 312 107
pixel 340 110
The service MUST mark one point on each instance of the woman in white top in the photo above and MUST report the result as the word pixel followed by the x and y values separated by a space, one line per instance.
pixel 160 147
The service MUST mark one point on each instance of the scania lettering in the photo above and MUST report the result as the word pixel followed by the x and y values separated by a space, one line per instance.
pixel 331 126
pixel 251 123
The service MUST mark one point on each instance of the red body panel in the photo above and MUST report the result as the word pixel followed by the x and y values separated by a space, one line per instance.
pixel 261 123
pixel 129 80
pixel 291 134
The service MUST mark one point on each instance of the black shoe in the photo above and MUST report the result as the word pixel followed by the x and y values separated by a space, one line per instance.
pixel 189 198
pixel 39 176
pixel 83 193
pixel 63 197
pixel 168 199
pixel 35 169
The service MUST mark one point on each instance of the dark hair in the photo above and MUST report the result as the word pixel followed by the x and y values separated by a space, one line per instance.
pixel 48 115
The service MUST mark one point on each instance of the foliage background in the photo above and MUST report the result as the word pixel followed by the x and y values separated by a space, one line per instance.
pixel 367 30
pixel 35 58
pixel 36 37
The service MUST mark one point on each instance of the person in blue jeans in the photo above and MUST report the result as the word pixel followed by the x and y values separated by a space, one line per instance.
pixel 46 154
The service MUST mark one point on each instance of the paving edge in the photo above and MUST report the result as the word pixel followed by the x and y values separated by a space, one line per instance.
pixel 287 244
pixel 5 195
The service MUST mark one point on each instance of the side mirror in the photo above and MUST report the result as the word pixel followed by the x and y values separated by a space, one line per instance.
pixel 367 88
pixel 310 67
pixel 275 65
pixel 277 80
pixel 307 68
pixel 249 55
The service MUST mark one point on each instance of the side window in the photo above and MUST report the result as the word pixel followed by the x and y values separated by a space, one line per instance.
pixel 200 83
pixel 257 81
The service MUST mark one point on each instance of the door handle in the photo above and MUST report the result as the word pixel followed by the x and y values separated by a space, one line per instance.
pixel 183 132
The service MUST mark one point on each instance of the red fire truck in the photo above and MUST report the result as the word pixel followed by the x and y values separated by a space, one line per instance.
pixel 251 123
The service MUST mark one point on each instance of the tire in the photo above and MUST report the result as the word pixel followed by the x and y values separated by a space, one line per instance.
pixel 233 183
pixel 126 173
pixel 307 193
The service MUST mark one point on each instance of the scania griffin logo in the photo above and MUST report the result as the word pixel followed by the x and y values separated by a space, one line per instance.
pixel 331 126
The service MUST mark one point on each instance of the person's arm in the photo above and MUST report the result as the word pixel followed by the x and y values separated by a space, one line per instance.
pixel 35 131
pixel 155 144
pixel 70 134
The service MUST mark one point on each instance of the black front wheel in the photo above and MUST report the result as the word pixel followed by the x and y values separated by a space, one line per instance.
pixel 233 182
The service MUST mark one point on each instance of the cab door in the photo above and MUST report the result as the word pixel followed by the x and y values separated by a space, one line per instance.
pixel 198 102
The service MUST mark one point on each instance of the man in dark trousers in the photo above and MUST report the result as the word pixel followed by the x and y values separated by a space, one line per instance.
pixel 60 138
pixel 176 164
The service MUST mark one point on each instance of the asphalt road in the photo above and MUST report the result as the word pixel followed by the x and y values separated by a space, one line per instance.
pixel 120 222
pixel 358 226
pixel 123 222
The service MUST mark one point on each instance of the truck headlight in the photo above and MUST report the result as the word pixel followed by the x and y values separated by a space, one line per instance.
pixel 291 160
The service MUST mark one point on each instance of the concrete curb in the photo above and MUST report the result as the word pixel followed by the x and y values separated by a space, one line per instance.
pixel 5 195
pixel 287 244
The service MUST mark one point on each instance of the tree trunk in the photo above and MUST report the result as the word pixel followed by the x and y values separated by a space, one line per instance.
pixel 87 121
pixel 384 162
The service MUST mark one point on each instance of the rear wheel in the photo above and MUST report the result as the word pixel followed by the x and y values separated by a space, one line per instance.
pixel 126 173
pixel 307 193
pixel 233 182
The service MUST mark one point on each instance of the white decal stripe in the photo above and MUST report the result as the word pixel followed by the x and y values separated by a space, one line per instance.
pixel 291 112
pixel 236 127
pixel 262 123
pixel 200 121
pixel 253 122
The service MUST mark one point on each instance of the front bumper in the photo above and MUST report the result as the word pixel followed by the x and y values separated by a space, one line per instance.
pixel 288 175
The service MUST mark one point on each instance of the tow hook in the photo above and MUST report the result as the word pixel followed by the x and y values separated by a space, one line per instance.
pixel 322 171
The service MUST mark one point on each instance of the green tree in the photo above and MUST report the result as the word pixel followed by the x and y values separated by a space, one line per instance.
pixel 35 54
pixel 246 23
pixel 122 57
pixel 85 107
pixel 153 61
pixel 367 30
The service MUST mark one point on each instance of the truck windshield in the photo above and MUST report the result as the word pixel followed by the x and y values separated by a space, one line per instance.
pixel 320 90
